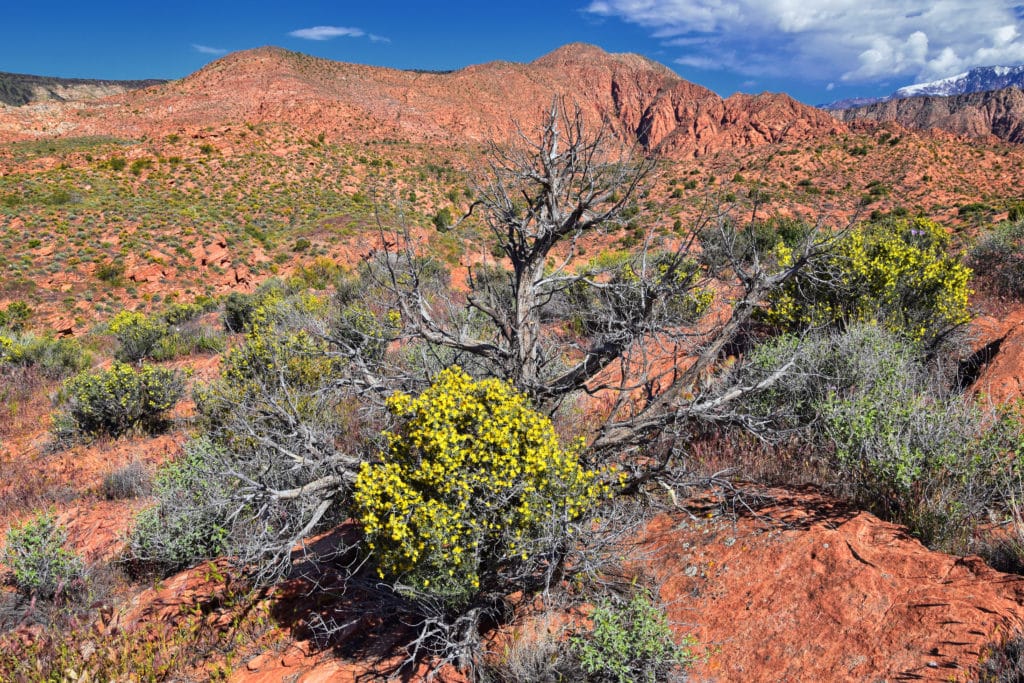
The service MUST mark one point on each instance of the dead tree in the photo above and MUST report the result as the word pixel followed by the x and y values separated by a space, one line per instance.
pixel 542 200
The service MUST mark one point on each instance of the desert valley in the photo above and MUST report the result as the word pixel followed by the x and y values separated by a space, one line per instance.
pixel 561 370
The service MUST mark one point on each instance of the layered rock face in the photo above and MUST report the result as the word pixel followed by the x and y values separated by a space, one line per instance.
pixel 21 89
pixel 999 113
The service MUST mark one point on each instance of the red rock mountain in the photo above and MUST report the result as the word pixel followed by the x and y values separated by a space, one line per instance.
pixel 641 100
pixel 997 112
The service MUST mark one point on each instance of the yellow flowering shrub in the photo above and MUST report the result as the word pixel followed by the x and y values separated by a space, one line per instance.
pixel 474 483
pixel 137 333
pixel 897 275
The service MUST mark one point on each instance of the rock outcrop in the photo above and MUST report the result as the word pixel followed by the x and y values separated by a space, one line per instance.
pixel 20 89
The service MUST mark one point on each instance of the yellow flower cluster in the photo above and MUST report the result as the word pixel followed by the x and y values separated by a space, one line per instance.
pixel 468 483
pixel 895 275
pixel 8 349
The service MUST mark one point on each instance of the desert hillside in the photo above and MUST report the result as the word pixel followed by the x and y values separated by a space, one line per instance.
pixel 642 101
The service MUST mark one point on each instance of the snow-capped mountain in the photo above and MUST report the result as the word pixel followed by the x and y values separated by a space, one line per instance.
pixel 978 79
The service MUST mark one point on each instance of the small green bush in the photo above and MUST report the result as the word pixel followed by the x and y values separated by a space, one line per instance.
pixel 998 260
pixel 238 311
pixel 188 342
pixel 472 487
pixel 36 554
pixel 130 481
pixel 443 219
pixel 629 642
pixel 888 430
pixel 188 523
pixel 118 400
pixel 15 316
pixel 110 271
pixel 178 314
pixel 138 335
pixel 140 165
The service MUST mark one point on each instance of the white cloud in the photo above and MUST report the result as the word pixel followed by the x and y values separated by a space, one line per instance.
pixel 327 32
pixel 853 40
pixel 207 50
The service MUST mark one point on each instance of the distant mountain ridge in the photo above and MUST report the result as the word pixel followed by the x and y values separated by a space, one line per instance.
pixel 978 79
pixel 642 102
pixel 21 89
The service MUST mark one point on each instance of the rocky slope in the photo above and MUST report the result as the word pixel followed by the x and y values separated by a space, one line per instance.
pixel 640 100
pixel 20 89
pixel 999 113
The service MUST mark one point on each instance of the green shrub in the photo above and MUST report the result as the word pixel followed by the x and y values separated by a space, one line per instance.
pixel 238 311
pixel 138 335
pixel 472 487
pixel 178 314
pixel 443 219
pixel 118 400
pixel 629 642
pixel 890 433
pixel 36 554
pixel 316 275
pixel 188 342
pixel 140 165
pixel 896 274
pixel 15 316
pixel 188 523
pixel 998 260
pixel 275 352
pixel 55 358
pixel 110 271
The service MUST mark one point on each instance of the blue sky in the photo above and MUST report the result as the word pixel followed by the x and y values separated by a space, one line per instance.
pixel 816 50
